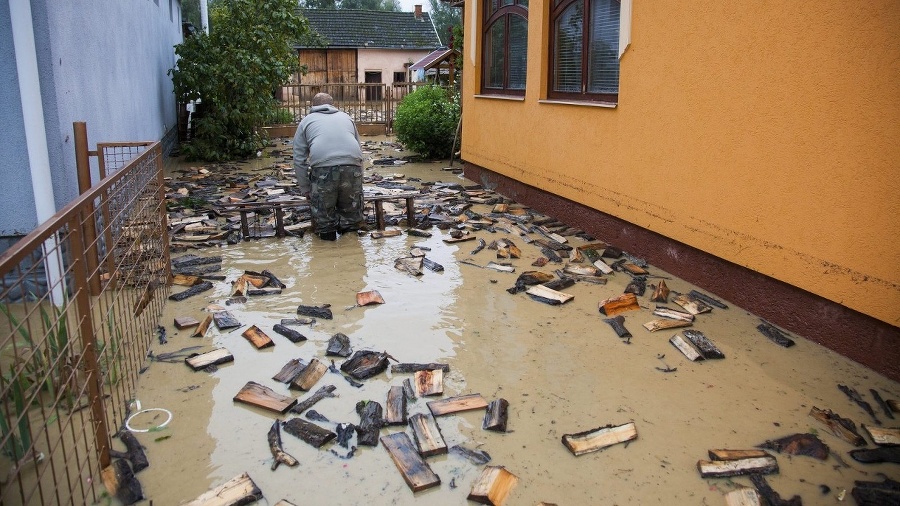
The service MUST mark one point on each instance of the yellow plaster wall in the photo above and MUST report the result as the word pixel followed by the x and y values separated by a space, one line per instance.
pixel 766 133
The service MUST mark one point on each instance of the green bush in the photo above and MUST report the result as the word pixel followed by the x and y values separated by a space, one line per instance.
pixel 426 121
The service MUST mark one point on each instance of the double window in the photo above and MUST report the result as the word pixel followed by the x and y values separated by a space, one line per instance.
pixel 584 51
pixel 505 37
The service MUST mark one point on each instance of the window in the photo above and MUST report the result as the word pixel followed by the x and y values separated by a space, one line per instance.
pixel 505 44
pixel 584 51
pixel 399 77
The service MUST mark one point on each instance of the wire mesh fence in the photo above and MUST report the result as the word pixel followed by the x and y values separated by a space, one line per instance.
pixel 80 298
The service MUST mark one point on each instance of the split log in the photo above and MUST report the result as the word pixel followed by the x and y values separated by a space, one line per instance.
pixel 309 432
pixel 410 265
pixel 380 234
pixel 281 457
pixel 257 337
pixel 477 457
pixel 743 496
pixel 339 346
pixel 893 404
pixel 264 397
pixel 581 270
pixel 413 367
pixel 799 444
pixel 691 305
pixel 881 402
pixel 186 322
pixel 541 293
pixel 427 435
pixel 594 280
pixel 121 483
pixel 712 301
pixel 432 266
pixel 603 266
pixel 395 406
pixel 451 240
pixel 371 422
pixel 190 292
pixel 310 374
pixel 194 260
pixel 185 280
pixel 843 428
pixel 298 321
pixel 290 370
pixel 724 454
pixel 854 396
pixel 236 491
pixel 322 311
pixel 637 285
pixel 292 335
pixel 365 364
pixel 673 314
pixel 597 439
pixel 457 404
pixel 660 292
pixel 204 360
pixel 618 324
pixel 769 495
pixel 408 390
pixel 876 493
pixel 225 320
pixel 703 344
pixel 775 335
pixel 321 393
pixel 665 324
pixel 684 346
pixel 493 486
pixel 496 416
pixel 253 292
pixel 415 471
pixel 634 269
pixel 576 256
pixel 500 267
pixel 273 280
pixel 877 455
pixel 560 283
pixel 620 304
pixel 135 452
pixel 369 297
pixel 883 436
pixel 429 382
pixel 416 232
pixel 739 467
pixel 203 327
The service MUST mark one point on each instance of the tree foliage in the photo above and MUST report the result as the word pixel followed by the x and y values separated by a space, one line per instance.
pixel 234 71
pixel 368 5
pixel 445 18
pixel 426 121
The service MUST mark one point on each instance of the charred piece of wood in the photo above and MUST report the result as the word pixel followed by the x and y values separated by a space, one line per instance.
pixel 323 311
pixel 371 422
pixel 278 453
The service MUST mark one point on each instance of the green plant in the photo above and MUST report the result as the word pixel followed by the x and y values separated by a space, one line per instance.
pixel 426 121
pixel 17 441
pixel 234 71
pixel 281 116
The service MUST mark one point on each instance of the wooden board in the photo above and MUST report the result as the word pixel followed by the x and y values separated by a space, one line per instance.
pixel 310 374
pixel 292 335
pixel 550 294
pixel 416 472
pixel 395 406
pixel 703 345
pixel 691 305
pixel 843 428
pixel 883 435
pixel 257 337
pixel 190 292
pixel 214 357
pixel 673 314
pixel 429 382
pixel 451 240
pixel 413 367
pixel 264 397
pixel 203 327
pixel 740 467
pixel 603 266
pixel 493 486
pixel 185 280
pixel 665 323
pixel 599 438
pixel 290 370
pixel 309 432
pixel 427 435
pixel 238 490
pixel 457 404
pixel 744 496
pixel 225 320
pixel 186 322
pixel 496 415
pixel 685 347
pixel 620 304
pixel 723 454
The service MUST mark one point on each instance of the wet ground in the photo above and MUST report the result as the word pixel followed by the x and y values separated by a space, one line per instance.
pixel 562 369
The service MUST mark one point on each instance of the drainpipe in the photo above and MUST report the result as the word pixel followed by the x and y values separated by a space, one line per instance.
pixel 35 134
pixel 204 16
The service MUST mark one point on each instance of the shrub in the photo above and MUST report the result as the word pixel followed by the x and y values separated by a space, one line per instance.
pixel 426 121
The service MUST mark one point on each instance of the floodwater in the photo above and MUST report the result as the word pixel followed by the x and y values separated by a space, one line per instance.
pixel 562 369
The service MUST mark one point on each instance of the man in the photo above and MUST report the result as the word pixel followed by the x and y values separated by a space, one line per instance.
pixel 328 162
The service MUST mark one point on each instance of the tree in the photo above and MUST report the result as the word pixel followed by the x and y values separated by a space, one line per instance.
pixel 426 121
pixel 234 71
pixel 445 18
pixel 368 5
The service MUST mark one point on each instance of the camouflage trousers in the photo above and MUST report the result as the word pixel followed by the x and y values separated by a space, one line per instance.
pixel 336 199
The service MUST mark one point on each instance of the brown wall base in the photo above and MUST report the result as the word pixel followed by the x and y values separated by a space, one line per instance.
pixel 857 336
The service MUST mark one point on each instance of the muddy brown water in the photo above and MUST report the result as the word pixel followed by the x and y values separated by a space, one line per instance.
pixel 560 367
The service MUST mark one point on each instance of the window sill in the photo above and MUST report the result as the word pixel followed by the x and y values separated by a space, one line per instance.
pixel 514 98
pixel 604 105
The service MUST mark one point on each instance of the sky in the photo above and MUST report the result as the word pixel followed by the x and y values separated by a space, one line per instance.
pixel 407 5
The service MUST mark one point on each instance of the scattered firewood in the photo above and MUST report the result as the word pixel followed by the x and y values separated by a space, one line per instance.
pixel 427 435
pixel 194 260
pixel 413 367
pixel 843 428
pixel 883 436
pixel 371 421
pixel 185 280
pixel 203 327
pixel 739 467
pixel 542 293
pixel 292 335
pixel 493 486
pixel 712 301
pixel 775 334
pixel 309 432
pixel 408 390
pixel 686 347
pixel 429 382
pixel 281 457
pixel 691 305
pixel 257 337
pixel 725 454
pixel 190 292
pixel 410 265
pixel 770 496
pixel 743 496
pixel 369 297
pixel 618 325
pixel 703 345
pixel 263 291
pixel 415 471
pixel 799 444
pixel 238 490
pixel 186 322
pixel 322 311
pixel 597 439
pixel 673 314
pixel 888 412
pixel 310 374
pixel 298 321
pixel 496 416
pixel 620 304
pixel 218 356
pixel 365 364
pixel 380 234
pixel 665 324
pixel 581 270
pixel 290 370
pixel 395 413
pixel 893 404
pixel 120 482
pixel 431 265
pixel 500 267
pixel 855 397
pixel 225 320
pixel 637 285
pixel 876 493
pixel 660 293
pixel 273 280
pixel 264 397
pixel 452 240
pixel 339 346
pixel 877 455
pixel 456 404
pixel 477 457
pixel 321 393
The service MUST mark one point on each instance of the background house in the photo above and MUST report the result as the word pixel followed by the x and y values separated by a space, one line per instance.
pixel 100 62
pixel 749 148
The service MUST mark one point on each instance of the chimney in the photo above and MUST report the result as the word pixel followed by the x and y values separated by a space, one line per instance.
pixel 418 11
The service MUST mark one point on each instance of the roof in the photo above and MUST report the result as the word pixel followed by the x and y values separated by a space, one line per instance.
pixel 434 59
pixel 349 28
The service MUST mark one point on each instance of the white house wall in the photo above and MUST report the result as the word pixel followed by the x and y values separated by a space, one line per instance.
pixel 386 61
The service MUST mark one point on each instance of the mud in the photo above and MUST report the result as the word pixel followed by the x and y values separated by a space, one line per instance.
pixel 560 367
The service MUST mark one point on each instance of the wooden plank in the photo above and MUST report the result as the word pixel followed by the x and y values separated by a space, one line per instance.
pixel 339 345
pixel 185 280
pixel 415 471
pixel 309 432
pixel 395 406
pixel 493 486
pixel 496 416
pixel 740 467
pixel 427 435
pixel 673 314
pixel 457 404
pixel 691 305
pixel 883 435
pixel 203 327
pixel 214 357
pixel 634 269
pixel 599 438
pixel 429 382
pixel 552 296
pixel 264 397
pixel 190 292
pixel 703 344
pixel 225 320
pixel 603 266
pixel 619 304
pixel 451 240
pixel 665 323
pixel 292 335
pixel 185 322
pixel 290 370
pixel 236 491
pixel 723 454
pixel 413 367
pixel 685 347
pixel 310 374
pixel 257 337
pixel 843 428
pixel 744 496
